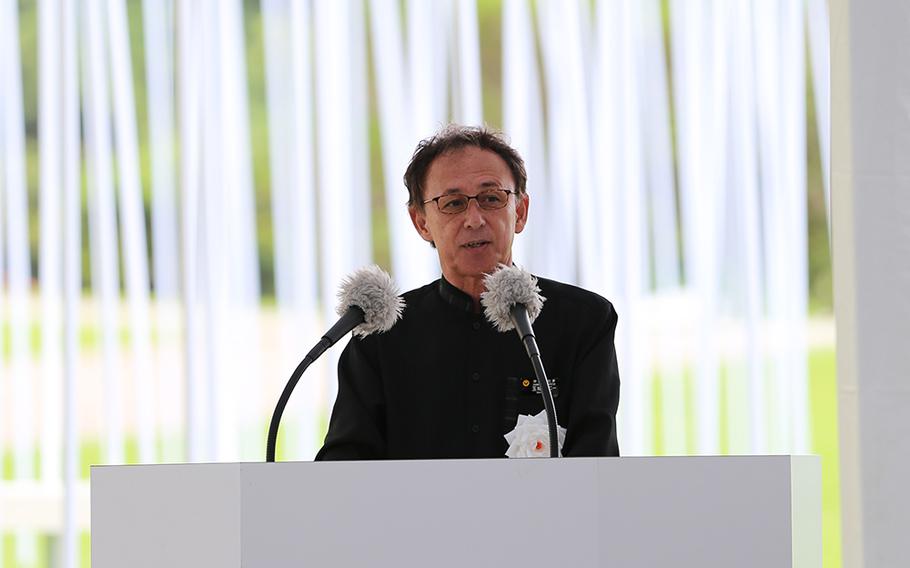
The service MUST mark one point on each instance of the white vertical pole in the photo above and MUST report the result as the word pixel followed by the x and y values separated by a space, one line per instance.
pixel 72 272
pixel 523 120
pixel 659 180
pixel 636 415
pixel 283 152
pixel 413 261
pixel 289 81
pixel 468 87
pixel 744 173
pixel 428 58
pixel 333 104
pixel 657 147
pixel 430 48
pixel 582 195
pixel 303 203
pixel 686 114
pixel 725 263
pixel 554 29
pixel 158 34
pixel 280 100
pixel 237 152
pixel 820 55
pixel 102 221
pixel 2 252
pixel 132 223
pixel 793 66
pixel 2 303
pixel 360 207
pixel 716 169
pixel 607 143
pixel 14 186
pixel 699 146
pixel 188 51
pixel 50 257
pixel 241 411
pixel 767 21
pixel 215 201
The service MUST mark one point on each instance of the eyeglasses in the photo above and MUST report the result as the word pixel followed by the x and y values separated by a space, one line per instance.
pixel 489 199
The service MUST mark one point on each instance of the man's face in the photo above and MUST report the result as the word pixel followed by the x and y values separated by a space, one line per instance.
pixel 475 241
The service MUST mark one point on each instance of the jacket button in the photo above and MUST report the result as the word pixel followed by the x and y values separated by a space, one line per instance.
pixel 476 325
pixel 475 377
pixel 475 428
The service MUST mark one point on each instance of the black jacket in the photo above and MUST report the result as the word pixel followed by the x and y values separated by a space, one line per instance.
pixel 443 383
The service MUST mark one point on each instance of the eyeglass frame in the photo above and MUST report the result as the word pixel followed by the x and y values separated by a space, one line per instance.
pixel 474 197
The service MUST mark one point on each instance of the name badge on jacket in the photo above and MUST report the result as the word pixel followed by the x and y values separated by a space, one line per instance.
pixel 531 386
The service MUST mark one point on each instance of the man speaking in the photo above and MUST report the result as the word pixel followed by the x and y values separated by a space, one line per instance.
pixel 443 382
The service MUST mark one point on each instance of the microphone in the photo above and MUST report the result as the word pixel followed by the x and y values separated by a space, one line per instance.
pixel 512 300
pixel 368 302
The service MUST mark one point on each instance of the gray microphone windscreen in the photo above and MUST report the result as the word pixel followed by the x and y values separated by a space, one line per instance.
pixel 508 286
pixel 372 290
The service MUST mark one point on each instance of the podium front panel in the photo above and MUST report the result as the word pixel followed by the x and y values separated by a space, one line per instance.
pixel 744 511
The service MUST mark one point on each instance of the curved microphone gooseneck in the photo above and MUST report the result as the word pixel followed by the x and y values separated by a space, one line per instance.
pixel 368 302
pixel 353 317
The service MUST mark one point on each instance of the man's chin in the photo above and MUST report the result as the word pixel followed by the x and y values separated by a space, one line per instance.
pixel 479 268
pixel 472 264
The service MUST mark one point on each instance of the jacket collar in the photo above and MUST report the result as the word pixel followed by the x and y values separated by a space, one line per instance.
pixel 455 297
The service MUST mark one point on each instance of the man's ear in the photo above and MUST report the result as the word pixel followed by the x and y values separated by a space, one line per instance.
pixel 521 212
pixel 419 219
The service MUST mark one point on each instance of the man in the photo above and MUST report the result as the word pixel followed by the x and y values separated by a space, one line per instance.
pixel 443 383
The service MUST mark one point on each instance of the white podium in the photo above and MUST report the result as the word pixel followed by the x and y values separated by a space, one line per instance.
pixel 746 511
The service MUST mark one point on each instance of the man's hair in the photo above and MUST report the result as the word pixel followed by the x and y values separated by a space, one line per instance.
pixel 455 137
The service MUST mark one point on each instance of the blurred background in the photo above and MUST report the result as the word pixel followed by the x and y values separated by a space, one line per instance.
pixel 184 184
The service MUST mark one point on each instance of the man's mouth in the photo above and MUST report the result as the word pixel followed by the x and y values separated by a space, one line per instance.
pixel 475 244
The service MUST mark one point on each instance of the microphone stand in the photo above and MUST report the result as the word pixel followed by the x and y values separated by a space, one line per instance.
pixel 522 323
pixel 352 317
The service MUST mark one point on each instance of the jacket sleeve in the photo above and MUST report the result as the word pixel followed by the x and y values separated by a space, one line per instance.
pixel 356 429
pixel 591 430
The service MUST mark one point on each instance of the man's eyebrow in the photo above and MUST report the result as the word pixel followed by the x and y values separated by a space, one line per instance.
pixel 483 185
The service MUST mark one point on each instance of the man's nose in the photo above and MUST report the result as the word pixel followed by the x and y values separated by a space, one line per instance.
pixel 473 215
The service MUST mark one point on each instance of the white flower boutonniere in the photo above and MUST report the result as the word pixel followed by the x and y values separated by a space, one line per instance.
pixel 531 439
